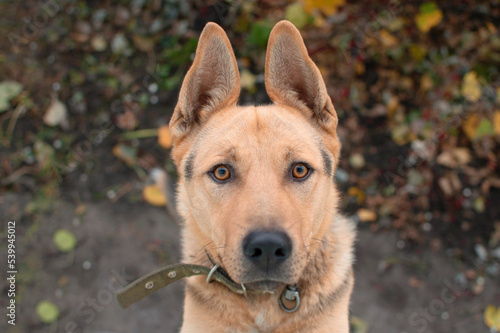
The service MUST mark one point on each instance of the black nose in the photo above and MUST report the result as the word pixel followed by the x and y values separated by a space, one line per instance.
pixel 265 249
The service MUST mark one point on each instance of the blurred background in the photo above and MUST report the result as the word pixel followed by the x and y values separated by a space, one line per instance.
pixel 86 92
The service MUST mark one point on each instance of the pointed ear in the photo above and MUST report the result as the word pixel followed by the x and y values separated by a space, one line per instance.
pixel 293 79
pixel 212 83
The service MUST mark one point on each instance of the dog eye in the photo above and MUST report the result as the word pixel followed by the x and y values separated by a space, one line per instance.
pixel 300 171
pixel 221 173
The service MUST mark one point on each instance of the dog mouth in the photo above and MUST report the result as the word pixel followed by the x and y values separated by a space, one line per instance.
pixel 267 285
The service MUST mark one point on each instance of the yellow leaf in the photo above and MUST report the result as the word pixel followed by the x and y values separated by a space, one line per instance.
pixel 296 14
pixel 387 38
pixel 367 215
pixel 492 317
pixel 470 126
pixel 247 80
pixel 426 82
pixel 154 196
pixel 471 89
pixel 327 7
pixel 164 137
pixel 429 17
pixel 496 122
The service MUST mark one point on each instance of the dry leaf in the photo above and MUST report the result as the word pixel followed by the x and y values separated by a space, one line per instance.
pixel 470 126
pixel 56 114
pixel 496 122
pixel 415 282
pixel 387 38
pixel 426 82
pixel 492 317
pixel 154 196
pixel 367 215
pixel 327 7
pixel 164 137
pixel 247 80
pixel 453 158
pixel 126 120
pixel 471 88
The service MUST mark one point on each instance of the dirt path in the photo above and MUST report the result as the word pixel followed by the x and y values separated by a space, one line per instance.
pixel 118 242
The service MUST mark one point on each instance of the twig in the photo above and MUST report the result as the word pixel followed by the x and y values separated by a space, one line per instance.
pixel 21 108
pixel 140 134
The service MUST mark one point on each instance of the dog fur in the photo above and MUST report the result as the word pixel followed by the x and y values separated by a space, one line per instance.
pixel 260 143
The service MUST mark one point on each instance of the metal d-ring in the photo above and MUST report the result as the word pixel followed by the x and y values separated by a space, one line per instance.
pixel 291 293
pixel 212 271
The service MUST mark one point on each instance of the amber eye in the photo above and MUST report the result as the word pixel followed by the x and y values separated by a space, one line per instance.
pixel 221 173
pixel 300 171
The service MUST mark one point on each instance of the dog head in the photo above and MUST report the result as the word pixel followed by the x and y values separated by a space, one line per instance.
pixel 255 181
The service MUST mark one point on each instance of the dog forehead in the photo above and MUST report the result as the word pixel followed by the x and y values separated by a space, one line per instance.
pixel 258 127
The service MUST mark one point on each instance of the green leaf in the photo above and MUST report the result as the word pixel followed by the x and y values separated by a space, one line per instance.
pixel 428 7
pixel 65 240
pixel 296 14
pixel 47 312
pixel 8 91
pixel 259 34
pixel 485 128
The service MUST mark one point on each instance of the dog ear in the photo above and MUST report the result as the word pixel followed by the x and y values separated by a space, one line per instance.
pixel 212 83
pixel 293 79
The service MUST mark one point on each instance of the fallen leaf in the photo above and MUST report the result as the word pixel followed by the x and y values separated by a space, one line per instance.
pixel 65 240
pixel 44 154
pixel 56 114
pixel 492 317
pixel 357 161
pixel 142 43
pixel 470 126
pixel 296 14
pixel 484 128
pixel 154 196
pixel 126 120
pixel 366 215
pixel 387 38
pixel 471 89
pixel 8 91
pixel 47 312
pixel 98 43
pixel 259 33
pixel 415 282
pixel 327 7
pixel 358 325
pixel 120 44
pixel 125 153
pixel 247 80
pixel 455 157
pixel 479 205
pixel 496 122
pixel 81 209
pixel 430 15
pixel 426 82
pixel 164 137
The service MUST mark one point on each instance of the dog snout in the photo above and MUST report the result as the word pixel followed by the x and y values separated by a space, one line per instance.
pixel 266 249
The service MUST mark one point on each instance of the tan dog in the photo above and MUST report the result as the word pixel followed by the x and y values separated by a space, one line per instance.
pixel 257 195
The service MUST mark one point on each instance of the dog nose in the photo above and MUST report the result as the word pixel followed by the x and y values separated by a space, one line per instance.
pixel 267 248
